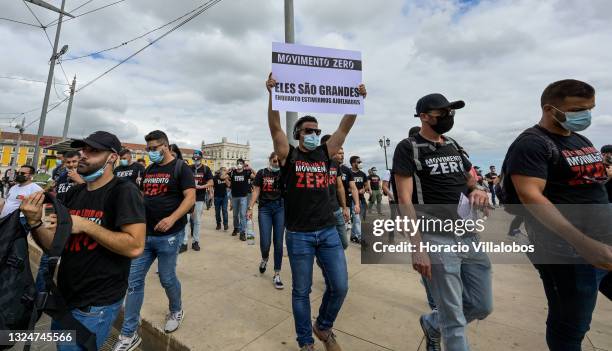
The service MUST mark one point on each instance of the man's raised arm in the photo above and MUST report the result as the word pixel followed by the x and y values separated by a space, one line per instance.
pixel 337 139
pixel 279 138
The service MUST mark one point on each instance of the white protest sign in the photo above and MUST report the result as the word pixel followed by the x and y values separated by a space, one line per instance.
pixel 313 79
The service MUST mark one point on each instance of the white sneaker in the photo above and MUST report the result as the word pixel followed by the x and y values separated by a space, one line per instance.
pixel 173 321
pixel 127 343
pixel 278 284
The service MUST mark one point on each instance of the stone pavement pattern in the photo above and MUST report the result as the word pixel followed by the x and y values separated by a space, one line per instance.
pixel 230 306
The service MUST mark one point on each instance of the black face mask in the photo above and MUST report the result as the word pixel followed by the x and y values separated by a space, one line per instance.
pixel 20 178
pixel 444 124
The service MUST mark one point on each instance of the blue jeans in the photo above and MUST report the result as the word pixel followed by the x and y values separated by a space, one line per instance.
pixel 165 249
pixel 272 217
pixel 196 220
pixel 493 194
pixel 571 291
pixel 461 289
pixel 341 227
pixel 356 219
pixel 239 205
pixel 98 320
pixel 302 248
pixel 221 207
pixel 43 270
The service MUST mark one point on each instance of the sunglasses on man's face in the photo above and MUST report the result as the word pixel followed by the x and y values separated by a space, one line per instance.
pixel 23 173
pixel 312 130
pixel 442 113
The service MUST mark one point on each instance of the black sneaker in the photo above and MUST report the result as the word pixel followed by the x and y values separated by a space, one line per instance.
pixel 433 343
pixel 262 266
pixel 242 236
pixel 235 232
pixel 195 246
pixel 183 248
pixel 218 226
pixel 225 227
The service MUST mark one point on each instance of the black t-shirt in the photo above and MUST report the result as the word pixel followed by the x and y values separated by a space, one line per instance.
pixel 220 187
pixel 163 193
pixel 609 189
pixel 57 172
pixel 201 175
pixel 62 185
pixel 240 182
pixel 360 179
pixel 307 203
pixel 374 182
pixel 568 181
pixel 334 169
pixel 269 185
pixel 347 176
pixel 90 274
pixel 131 172
pixel 491 177
pixel 443 175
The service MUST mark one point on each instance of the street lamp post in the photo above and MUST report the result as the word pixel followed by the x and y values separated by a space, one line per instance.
pixel 54 56
pixel 385 143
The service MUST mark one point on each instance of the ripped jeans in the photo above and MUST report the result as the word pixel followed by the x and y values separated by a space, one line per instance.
pixel 165 249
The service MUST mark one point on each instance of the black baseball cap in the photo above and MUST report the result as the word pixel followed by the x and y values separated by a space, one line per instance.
pixel 435 102
pixel 99 140
pixel 606 149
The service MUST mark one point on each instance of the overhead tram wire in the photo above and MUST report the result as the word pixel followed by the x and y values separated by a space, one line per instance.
pixel 44 28
pixel 205 7
pixel 54 22
pixel 138 37
pixel 20 22
pixel 26 79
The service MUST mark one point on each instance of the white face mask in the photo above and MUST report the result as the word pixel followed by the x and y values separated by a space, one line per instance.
pixel 359 166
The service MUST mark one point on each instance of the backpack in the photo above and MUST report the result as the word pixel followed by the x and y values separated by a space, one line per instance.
pixel 17 289
pixel 20 304
pixel 416 147
pixel 505 191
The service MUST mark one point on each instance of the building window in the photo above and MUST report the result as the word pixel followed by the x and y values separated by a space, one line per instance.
pixel 31 150
pixel 29 161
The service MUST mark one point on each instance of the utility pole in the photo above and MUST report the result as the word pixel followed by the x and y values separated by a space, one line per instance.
pixel 385 143
pixel 291 117
pixel 43 113
pixel 67 121
pixel 21 129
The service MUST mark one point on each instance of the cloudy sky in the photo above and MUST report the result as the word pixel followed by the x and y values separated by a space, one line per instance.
pixel 206 80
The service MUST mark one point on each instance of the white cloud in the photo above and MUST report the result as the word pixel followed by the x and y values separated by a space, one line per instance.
pixel 205 80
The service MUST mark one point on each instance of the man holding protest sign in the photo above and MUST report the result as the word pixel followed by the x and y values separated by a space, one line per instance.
pixel 310 221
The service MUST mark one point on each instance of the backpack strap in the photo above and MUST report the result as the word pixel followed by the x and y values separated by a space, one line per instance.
pixel 415 155
pixel 456 145
pixel 51 301
pixel 551 147
pixel 178 169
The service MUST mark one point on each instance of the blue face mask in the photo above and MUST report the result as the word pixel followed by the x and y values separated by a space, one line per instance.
pixel 58 162
pixel 155 156
pixel 95 175
pixel 311 141
pixel 123 162
pixel 575 121
pixel 274 169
